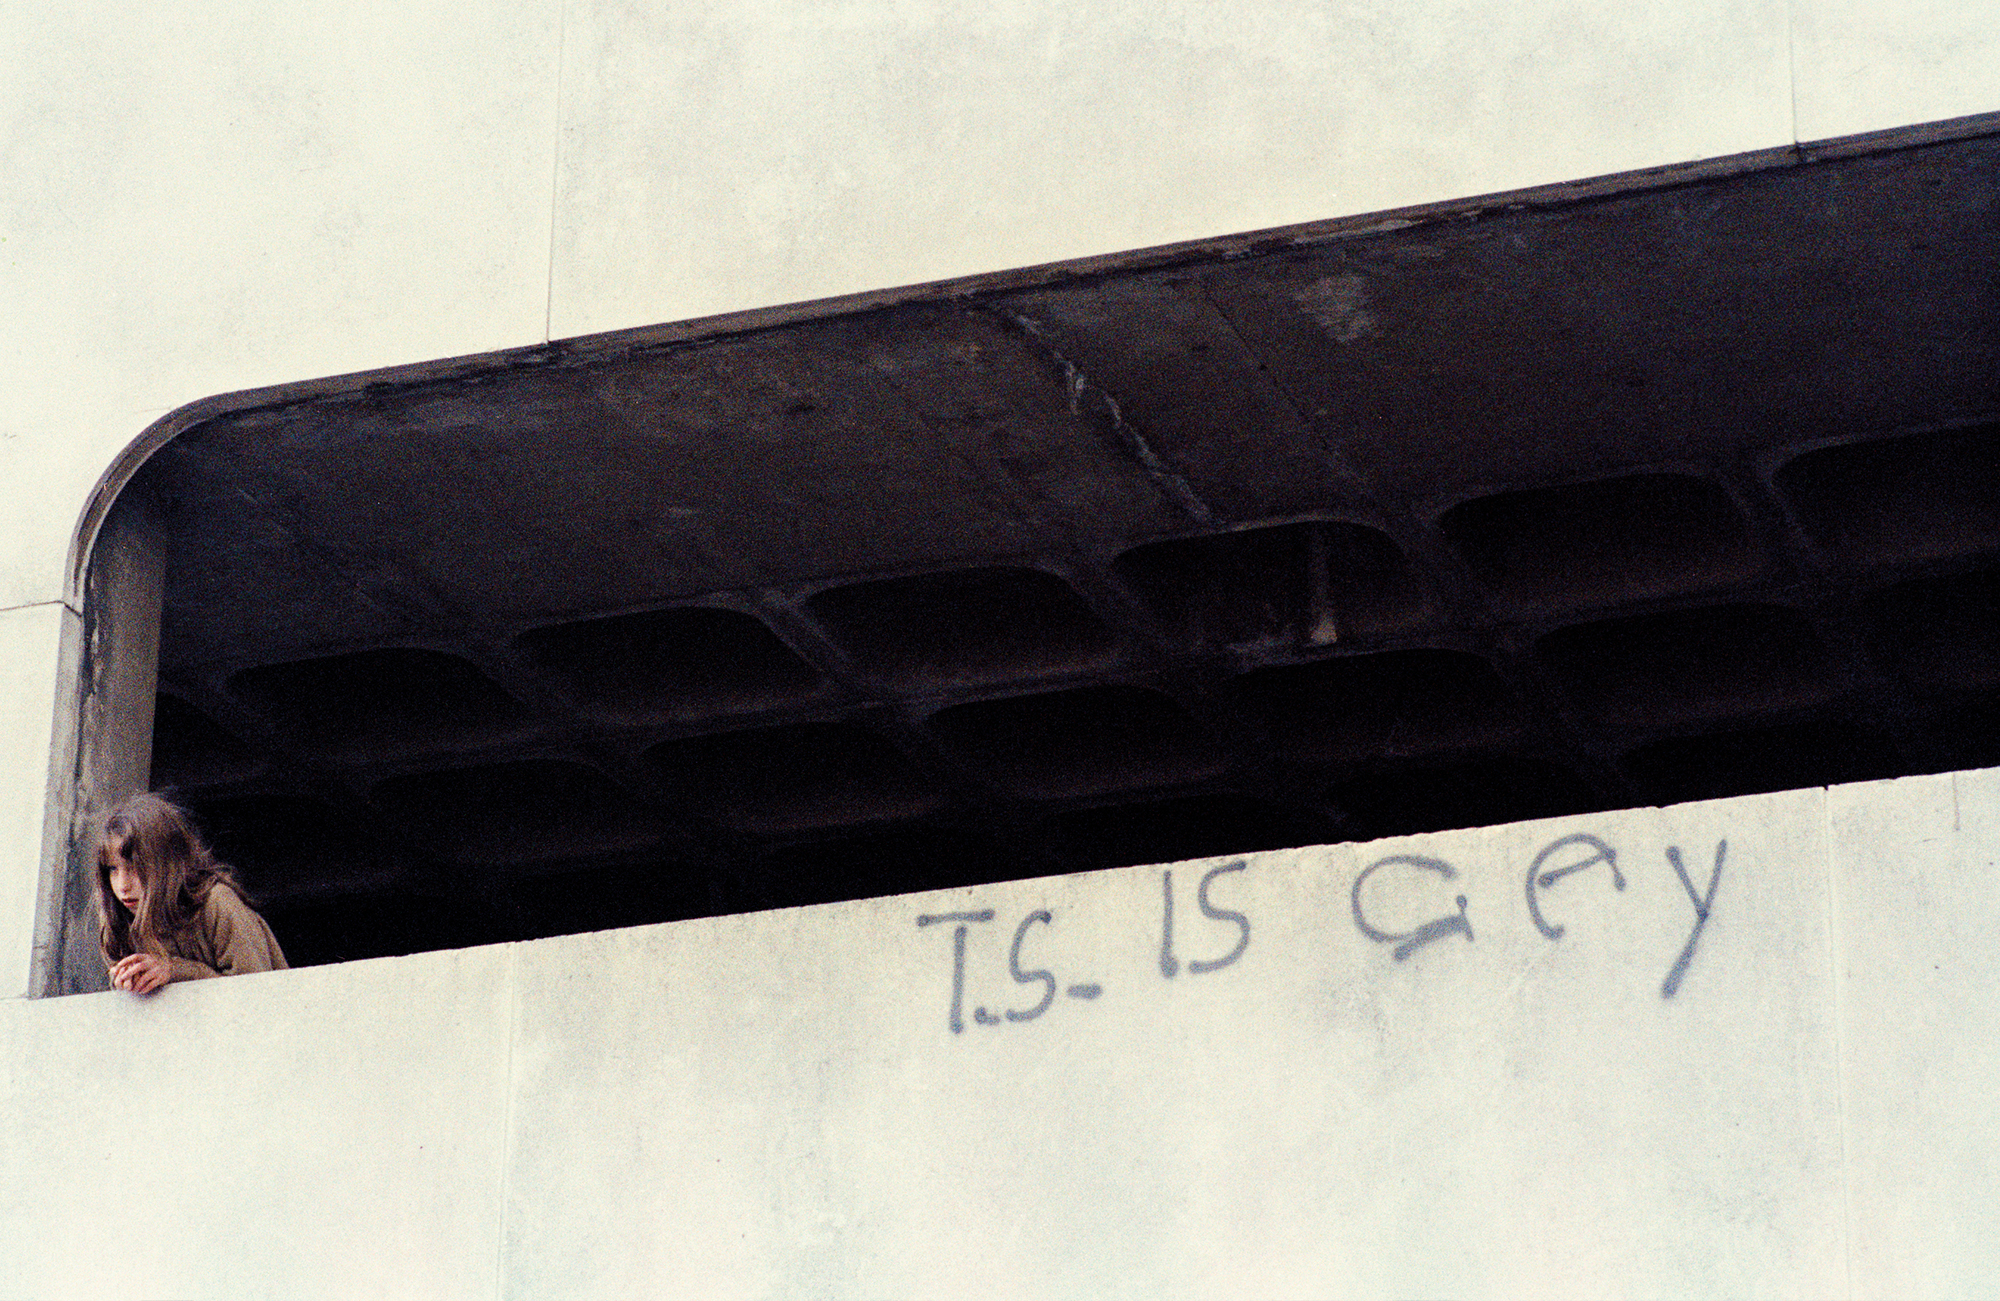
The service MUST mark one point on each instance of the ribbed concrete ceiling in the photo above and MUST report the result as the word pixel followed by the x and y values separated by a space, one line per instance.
pixel 1675 487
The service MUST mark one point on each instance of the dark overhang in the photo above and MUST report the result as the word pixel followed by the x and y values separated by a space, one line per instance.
pixel 1646 489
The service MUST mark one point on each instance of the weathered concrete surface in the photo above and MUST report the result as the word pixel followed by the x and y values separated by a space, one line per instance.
pixel 1647 1103
pixel 1502 1117
pixel 199 202
pixel 38 657
pixel 1503 509
pixel 337 1132
pixel 113 722
pixel 228 196
pixel 1914 878
pixel 1029 130
pixel 336 193
pixel 401 183
pixel 1859 65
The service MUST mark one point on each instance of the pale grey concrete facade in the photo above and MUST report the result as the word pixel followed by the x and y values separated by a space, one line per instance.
pixel 1632 492
pixel 778 1104
pixel 199 203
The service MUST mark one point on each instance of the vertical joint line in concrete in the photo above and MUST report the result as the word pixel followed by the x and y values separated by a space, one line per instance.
pixel 1838 979
pixel 555 176
pixel 1082 389
pixel 508 1084
pixel 1792 64
pixel 1328 452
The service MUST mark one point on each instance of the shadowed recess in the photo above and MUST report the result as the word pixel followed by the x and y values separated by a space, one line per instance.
pixel 383 925
pixel 395 698
pixel 1821 753
pixel 683 664
pixel 517 812
pixel 1169 831
pixel 897 861
pixel 1395 703
pixel 1648 535
pixel 850 597
pixel 606 897
pixel 1477 794
pixel 969 626
pixel 805 776
pixel 1304 584
pixel 1961 729
pixel 1941 633
pixel 190 749
pixel 1921 497
pixel 289 845
pixel 1088 741
pixel 1659 670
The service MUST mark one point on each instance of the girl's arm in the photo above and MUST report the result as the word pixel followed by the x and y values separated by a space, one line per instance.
pixel 231 933
pixel 239 939
pixel 142 973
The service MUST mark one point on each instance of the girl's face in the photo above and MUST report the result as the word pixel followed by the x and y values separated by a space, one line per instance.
pixel 125 880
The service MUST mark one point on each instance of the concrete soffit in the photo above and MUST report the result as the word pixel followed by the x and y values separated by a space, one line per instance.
pixel 1642 489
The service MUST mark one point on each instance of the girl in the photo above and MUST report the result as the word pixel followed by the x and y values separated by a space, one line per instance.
pixel 166 909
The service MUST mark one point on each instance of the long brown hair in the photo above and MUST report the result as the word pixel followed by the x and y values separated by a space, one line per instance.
pixel 159 840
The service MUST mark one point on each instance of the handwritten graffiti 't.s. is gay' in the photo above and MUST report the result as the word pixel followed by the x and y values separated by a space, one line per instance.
pixel 1542 877
pixel 960 921
pixel 1230 928
pixel 1170 963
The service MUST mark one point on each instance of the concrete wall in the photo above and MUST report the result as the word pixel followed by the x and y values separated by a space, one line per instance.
pixel 1582 1091
pixel 210 198
pixel 214 197
pixel 204 199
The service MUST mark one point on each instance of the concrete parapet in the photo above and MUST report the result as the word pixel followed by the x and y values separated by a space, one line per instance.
pixel 1729 1048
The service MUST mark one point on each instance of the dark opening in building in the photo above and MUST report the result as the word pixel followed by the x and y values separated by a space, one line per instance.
pixel 1683 487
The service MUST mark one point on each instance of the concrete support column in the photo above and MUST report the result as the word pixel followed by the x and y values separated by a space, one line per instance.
pixel 114 737
pixel 38 657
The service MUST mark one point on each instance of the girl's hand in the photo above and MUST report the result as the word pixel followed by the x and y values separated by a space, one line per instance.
pixel 142 973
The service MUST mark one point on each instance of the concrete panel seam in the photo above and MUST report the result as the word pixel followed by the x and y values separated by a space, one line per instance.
pixel 555 174
pixel 1127 435
pixel 74 607
pixel 507 1122
pixel 58 806
pixel 1904 137
pixel 1838 983
pixel 1792 65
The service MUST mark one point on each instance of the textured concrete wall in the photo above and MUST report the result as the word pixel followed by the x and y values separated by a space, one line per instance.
pixel 1486 514
pixel 206 200
pixel 39 652
pixel 226 196
pixel 1730 1049
pixel 210 199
